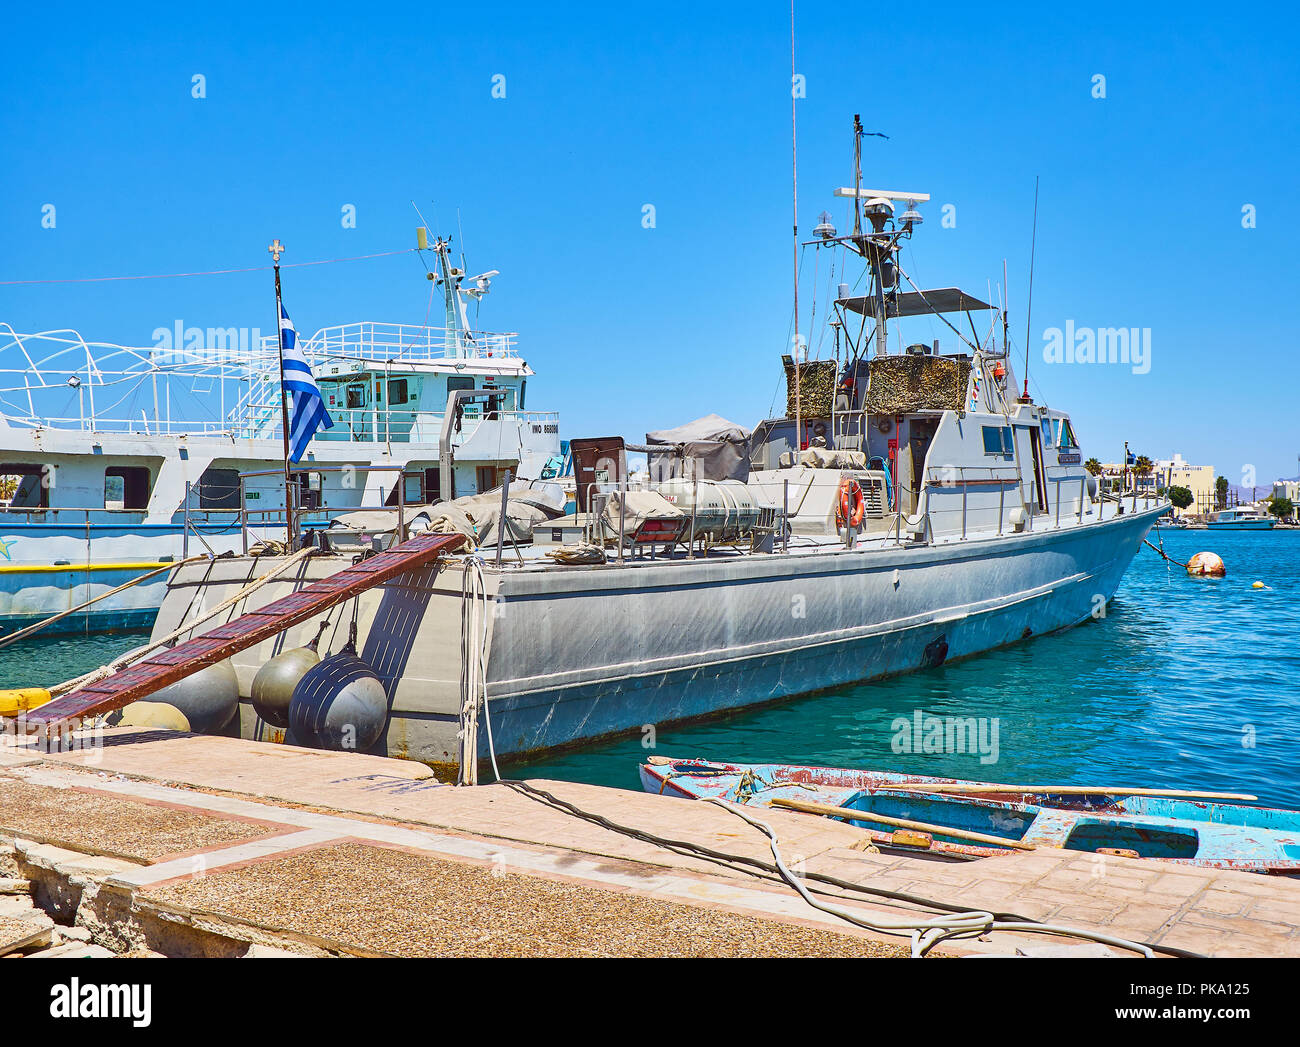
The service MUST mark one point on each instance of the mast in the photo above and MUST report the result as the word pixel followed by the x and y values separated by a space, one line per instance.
pixel 276 248
pixel 450 278
pixel 794 245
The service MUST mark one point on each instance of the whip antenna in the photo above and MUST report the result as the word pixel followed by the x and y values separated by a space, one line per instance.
pixel 1029 308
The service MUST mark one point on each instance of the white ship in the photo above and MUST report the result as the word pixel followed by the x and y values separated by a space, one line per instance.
pixel 911 507
pixel 115 460
pixel 1242 518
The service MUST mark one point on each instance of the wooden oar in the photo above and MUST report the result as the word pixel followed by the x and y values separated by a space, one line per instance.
pixel 901 823
pixel 1058 790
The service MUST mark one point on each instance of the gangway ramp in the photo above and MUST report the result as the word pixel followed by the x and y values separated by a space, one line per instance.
pixel 175 663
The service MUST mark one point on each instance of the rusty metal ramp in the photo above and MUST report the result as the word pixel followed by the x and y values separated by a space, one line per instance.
pixel 174 663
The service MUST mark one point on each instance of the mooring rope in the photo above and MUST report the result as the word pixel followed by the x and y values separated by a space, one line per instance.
pixel 473 671
pixel 1161 551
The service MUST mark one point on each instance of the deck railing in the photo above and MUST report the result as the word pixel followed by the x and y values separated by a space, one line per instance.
pixel 46 375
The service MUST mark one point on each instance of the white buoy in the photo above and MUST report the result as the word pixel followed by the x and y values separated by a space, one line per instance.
pixel 158 715
pixel 1208 565
pixel 207 698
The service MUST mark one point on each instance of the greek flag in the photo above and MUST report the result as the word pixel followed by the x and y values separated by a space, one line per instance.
pixel 307 412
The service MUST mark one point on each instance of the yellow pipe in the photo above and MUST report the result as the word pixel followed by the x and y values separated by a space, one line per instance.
pixel 20 699
pixel 80 568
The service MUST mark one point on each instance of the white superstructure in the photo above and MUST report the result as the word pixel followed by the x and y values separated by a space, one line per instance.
pixel 114 460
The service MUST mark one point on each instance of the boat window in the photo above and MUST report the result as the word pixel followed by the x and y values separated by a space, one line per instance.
pixel 356 396
pixel 397 391
pixel 459 383
pixel 1067 441
pixel 219 489
pixel 523 388
pixel 126 487
pixel 412 489
pixel 25 486
pixel 997 439
pixel 308 490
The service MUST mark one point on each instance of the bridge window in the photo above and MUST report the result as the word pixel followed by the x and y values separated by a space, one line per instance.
pixel 997 439
pixel 126 487
pixel 1067 438
pixel 25 486
pixel 397 391
pixel 356 396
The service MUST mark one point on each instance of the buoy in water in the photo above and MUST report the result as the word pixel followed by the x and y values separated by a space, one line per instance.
pixel 274 683
pixel 158 715
pixel 207 699
pixel 1258 585
pixel 1207 564
pixel 339 703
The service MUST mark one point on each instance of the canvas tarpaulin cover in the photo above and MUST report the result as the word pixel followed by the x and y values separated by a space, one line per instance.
pixel 720 447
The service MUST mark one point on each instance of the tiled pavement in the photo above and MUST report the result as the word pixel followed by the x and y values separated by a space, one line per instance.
pixel 296 800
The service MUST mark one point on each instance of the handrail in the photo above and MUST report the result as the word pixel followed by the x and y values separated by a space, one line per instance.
pixel 47 363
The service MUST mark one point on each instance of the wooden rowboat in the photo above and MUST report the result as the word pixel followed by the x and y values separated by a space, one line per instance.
pixel 954 819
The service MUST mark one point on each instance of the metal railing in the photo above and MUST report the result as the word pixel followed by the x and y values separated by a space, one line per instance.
pixel 39 372
pixel 1011 478
pixel 380 341
pixel 291 518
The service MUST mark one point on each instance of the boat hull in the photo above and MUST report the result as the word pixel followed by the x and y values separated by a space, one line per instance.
pixel 981 819
pixel 49 568
pixel 587 653
pixel 699 640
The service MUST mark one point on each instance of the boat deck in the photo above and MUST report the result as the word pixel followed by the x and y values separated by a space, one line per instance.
pixel 220 846
pixel 884 538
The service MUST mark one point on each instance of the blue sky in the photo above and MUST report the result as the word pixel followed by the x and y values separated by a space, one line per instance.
pixel 685 107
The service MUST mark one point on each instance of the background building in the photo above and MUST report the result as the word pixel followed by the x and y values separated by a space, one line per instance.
pixel 1289 489
pixel 1199 479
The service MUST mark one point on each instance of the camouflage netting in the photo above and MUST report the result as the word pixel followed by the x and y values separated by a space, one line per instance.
pixel 816 388
pixel 898 384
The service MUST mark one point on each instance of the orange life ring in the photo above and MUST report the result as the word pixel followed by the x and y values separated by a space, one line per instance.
pixel 851 508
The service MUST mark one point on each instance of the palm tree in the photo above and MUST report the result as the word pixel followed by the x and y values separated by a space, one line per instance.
pixel 1093 466
pixel 1143 465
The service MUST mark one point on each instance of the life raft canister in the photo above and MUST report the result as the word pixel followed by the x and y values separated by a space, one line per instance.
pixel 851 507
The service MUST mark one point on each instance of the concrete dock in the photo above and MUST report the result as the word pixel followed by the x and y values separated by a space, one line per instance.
pixel 159 843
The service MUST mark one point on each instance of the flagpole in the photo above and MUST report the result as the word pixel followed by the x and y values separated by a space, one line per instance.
pixel 290 531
